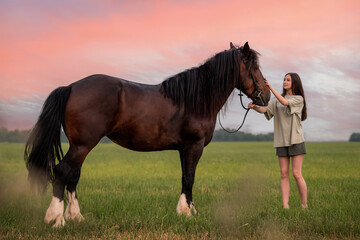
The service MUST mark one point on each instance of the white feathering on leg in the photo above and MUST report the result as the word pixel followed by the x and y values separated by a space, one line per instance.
pixel 192 208
pixel 72 209
pixel 55 213
pixel 183 207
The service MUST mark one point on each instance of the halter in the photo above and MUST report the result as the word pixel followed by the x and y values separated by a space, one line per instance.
pixel 257 92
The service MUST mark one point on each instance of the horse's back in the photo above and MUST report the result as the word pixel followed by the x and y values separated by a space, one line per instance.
pixel 134 115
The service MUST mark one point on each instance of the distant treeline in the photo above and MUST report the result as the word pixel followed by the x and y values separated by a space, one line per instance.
pixel 20 136
pixel 222 136
pixel 15 136
pixel 355 137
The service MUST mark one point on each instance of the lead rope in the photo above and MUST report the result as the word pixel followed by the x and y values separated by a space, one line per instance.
pixel 247 111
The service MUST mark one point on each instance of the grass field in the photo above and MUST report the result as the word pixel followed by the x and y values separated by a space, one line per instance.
pixel 132 195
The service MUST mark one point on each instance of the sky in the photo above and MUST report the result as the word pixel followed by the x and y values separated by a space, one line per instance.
pixel 47 44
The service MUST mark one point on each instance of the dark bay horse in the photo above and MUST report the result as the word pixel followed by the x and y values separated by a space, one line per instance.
pixel 177 114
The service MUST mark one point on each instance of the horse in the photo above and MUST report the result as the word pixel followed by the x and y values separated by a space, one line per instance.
pixel 178 114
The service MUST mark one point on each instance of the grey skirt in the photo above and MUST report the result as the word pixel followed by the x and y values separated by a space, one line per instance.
pixel 293 150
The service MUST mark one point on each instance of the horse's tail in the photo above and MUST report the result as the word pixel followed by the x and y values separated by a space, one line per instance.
pixel 43 146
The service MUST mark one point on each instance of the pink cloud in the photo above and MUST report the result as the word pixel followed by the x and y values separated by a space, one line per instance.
pixel 43 45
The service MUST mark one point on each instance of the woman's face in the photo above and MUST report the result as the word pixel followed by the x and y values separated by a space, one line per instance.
pixel 287 82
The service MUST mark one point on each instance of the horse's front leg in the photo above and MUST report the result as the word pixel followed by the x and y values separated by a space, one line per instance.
pixel 189 156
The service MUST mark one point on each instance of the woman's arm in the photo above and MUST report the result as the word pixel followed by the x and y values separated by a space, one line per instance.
pixel 281 99
pixel 257 108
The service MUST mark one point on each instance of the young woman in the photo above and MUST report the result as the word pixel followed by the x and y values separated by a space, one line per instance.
pixel 288 110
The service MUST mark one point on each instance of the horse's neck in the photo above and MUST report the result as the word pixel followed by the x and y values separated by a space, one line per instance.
pixel 223 98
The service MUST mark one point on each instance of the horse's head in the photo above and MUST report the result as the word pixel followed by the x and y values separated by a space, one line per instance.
pixel 251 80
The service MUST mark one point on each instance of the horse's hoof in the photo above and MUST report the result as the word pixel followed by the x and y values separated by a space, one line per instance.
pixel 184 211
pixel 192 209
pixel 76 217
pixel 59 222
pixel 79 218
pixel 182 207
pixel 72 211
pixel 55 213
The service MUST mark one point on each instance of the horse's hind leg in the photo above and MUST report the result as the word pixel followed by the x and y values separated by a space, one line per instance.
pixel 67 173
pixel 72 211
pixel 55 211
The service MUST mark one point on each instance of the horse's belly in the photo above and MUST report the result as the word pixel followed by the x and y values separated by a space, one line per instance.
pixel 143 143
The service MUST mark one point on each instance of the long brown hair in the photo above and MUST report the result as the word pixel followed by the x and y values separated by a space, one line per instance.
pixel 297 89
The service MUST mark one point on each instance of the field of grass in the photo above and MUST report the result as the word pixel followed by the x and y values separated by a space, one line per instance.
pixel 133 195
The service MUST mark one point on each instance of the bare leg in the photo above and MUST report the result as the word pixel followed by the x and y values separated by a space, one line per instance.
pixel 301 184
pixel 284 163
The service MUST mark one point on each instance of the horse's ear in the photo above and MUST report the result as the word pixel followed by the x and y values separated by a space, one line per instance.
pixel 232 46
pixel 246 49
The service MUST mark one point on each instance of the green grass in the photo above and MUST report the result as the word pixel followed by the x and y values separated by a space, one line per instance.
pixel 133 195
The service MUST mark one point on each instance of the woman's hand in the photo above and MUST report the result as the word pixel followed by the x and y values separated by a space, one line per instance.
pixel 268 84
pixel 281 99
pixel 251 105
pixel 257 108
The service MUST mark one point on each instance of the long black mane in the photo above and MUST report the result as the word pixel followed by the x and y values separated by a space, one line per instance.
pixel 201 90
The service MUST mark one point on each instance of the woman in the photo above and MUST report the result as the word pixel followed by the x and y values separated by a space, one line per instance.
pixel 288 110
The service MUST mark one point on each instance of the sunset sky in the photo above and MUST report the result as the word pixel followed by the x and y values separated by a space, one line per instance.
pixel 46 44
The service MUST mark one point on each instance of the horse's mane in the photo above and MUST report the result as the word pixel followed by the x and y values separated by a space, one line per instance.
pixel 201 90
